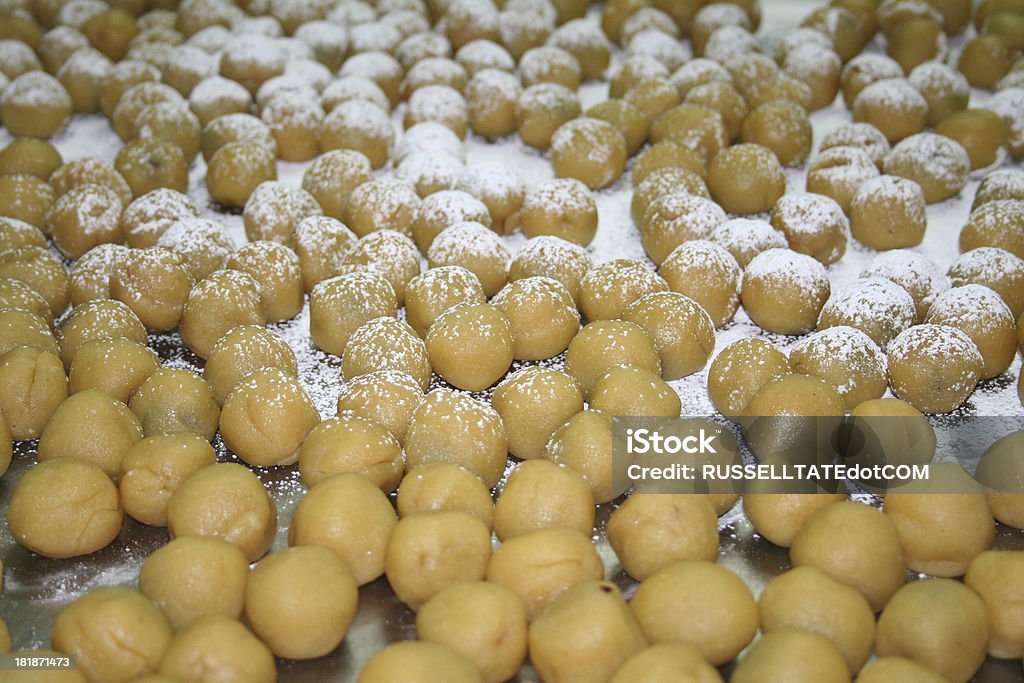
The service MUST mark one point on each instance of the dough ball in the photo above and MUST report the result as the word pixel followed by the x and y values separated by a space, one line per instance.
pixel 627 119
pixel 32 386
pixel 996 223
pixel 681 329
pixel 90 171
pixel 897 669
pixel 723 98
pixel 216 96
pixel 242 350
pixel 740 370
pixel 321 243
pixel 584 443
pixel 585 41
pixel 721 613
pixel 115 633
pixel 864 136
pixel 979 131
pixel 443 209
pixel 386 344
pixel 995 268
pixel 220 643
pixel 93 427
pixel 445 486
pixel 436 290
pixel 379 204
pixel 452 427
pixel 604 344
pixel 152 469
pixel 17 295
pixel 696 128
pixel 491 97
pixel 274 209
pixel 389 253
pixel 893 106
pixel 542 315
pixel 351 444
pixel 871 559
pixel 888 212
pixel 333 177
pixel 22 328
pixel 541 565
pixel 65 507
pixel 27 198
pixel 475 248
pixel 193 576
pixel 419 661
pixel 351 516
pixel 634 391
pixel 934 367
pixel 675 218
pixel 878 307
pixel 985 59
pixel 341 304
pixel 846 358
pixel 838 172
pixel 989 575
pixel 745 238
pixel 649 532
pixel 228 501
pixel 792 654
pixel 501 189
pixel 155 283
pixel 35 104
pixel 541 110
pixel 205 245
pixel 533 403
pixel 980 313
pixel 236 170
pixel 746 179
pixel 813 225
pixel 176 400
pixel 217 303
pixel 938 164
pixel 784 291
pixel 609 288
pixel 818 67
pixel 916 40
pixel 485 622
pixel 98 319
pixel 540 494
pixel 997 470
pixel 85 216
pixel 90 275
pixel 30 156
pixel 471 345
pixel 669 154
pixel 149 163
pixel 554 257
pixel 562 208
pixel 706 273
pixel 781 126
pixel 779 516
pixel 916 273
pixel 1003 183
pixel 590 150
pixel 951 641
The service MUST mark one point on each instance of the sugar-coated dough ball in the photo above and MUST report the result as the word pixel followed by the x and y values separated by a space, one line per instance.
pixel 219 643
pixel 677 217
pixel 19 328
pixel 93 427
pixel 627 118
pixel 999 470
pixel 893 106
pixel 442 209
pixel 176 400
pixel 228 501
pixel 863 136
pixel 813 224
pixel 541 109
pixel 740 370
pixel 32 386
pixel 38 268
pixel 243 350
pixel 563 208
pixel 445 486
pixel 846 358
pixel 350 515
pixel 590 150
pixel 553 257
pixel 483 621
pixel 97 319
pixel 884 669
pixel 951 641
pixel 449 426
pixel 540 494
pixel 491 97
pixel 533 403
pixel 603 344
pixel 541 565
pixel 64 508
pixel 436 290
pixel 350 444
pixel 980 313
pixel 542 316
pixel 609 288
pixel 155 283
pixel 914 272
pixel 612 633
pixel 35 104
pixel 746 178
pixel 872 559
pixel 90 275
pixel 990 575
pixel 584 443
pixel 385 396
pixel 153 469
pixel 878 307
pixel 389 203
pixel 386 343
pixel 333 177
pixel 651 531
pixel 193 576
pixel 341 304
pixel 934 367
pixel 321 243
pixel 783 291
pixel 979 131
pixel 390 253
pixel 997 223
pixel 418 661
pixel 278 271
pixel 115 633
pixel 475 248
pixel 888 212
pixel 938 164
pixel 629 390
pixel 783 127
pixel 838 172
pixel 431 549
pixel 471 345
pixel 995 268
pixel 236 170
pixel 792 654
pixel 721 613
pixel 219 302
pixel 667 661
pixel 17 294
pixel 85 216
pixel 706 273
pixel 681 329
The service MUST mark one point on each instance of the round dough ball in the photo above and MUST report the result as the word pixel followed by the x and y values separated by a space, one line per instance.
pixel 784 291
pixel 351 444
pixel 542 316
pixel 871 557
pixel 23 328
pixel 333 177
pixel 781 126
pixel 864 136
pixel 435 291
pixel 476 248
pixel 627 118
pixel 219 302
pixel 390 253
pixel 90 170
pixel 792 654
pixel 114 633
pixel 995 268
pixel 608 289
pixel 321 243
pixel 879 308
pixel 15 234
pixel 193 576
pixel 228 501
pixel 813 224
pixel 274 209
pixel 650 531
pixel 541 110
pixel 706 273
pixel 675 218
pixel 97 319
pixel 418 661
pixel 26 198
pixel 500 188
pixel 17 295
pixel 916 273
pixel 681 329
pixel 838 172
pixel 985 59
pixel 723 98
pixel 562 208
pixel 386 344
pixel 998 223
pixel 634 391
pixel 746 179
pixel 951 641
pixel 382 204
pixel 698 129
pixel 604 344
pixel 220 643
pixel 241 351
pixel 669 154
pixel 491 97
pixel 779 516
pixel 554 257
pixel 915 41
pixel 980 313
pixel 533 403
pixel 176 400
pixel 35 104
pixel 63 508
pixel 722 615
pixel 584 443
pixel 938 164
pixel 32 386
pixel 997 471
pixel 30 156
pixel 438 103
pixel 989 576
pixel 388 397
pixel 540 494
pixel 893 106
pixel 151 470
pixel 846 358
pixel 934 367
pixel 85 216
pixel 1006 183
pixel 445 486
pixel 155 283
pixel 889 212
pixel 90 275
pixel 236 170
pixel 442 209
pixel 471 345
pixel 341 304
pixel 149 163
pixel 979 131
pixel 590 150
pixel 93 427
pixel 745 238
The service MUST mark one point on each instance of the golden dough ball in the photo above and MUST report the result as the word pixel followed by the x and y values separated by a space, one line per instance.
pixel 114 633
pixel 351 444
pixel 888 212
pixel 878 307
pixel 111 32
pixel 476 248
pixel 872 557
pixel 696 128
pixel 839 172
pixel 707 21
pixel 938 164
pixel 670 154
pixel 917 274
pixel 90 274
pixel 491 97
pixel 596 608
pixel 333 177
pixel 745 238
pixel 562 208
pixel 216 96
pixel 910 439
pixel 301 601
pixel 779 516
pixel 152 469
pixel 274 209
pixel 341 304
pixel 677 217
pixel 915 41
pixel 438 103
pixel 604 344
pixel 549 64
pixel 471 345
pixel 950 641
pixel 721 613
pixel 541 565
pixel 893 106
pixel 64 508
pixel 584 443
pixel 500 189
pixel 24 328
pixel 219 302
pixel 242 350
pixel 296 125
pixel 485 622
pixel 453 427
pixel 26 198
pixel 436 290
pixel 998 223
pixel 381 68
pixel 360 126
pixel 842 26
pixel 985 59
pixel 390 253
pixel 982 314
pixel 16 294
pixel 176 400
pixel 979 131
pixel 84 217
pixel 807 598
pixel 740 370
pixel 418 661
pixel 30 156
pixel 386 343
pixel 783 291
pixel 539 494
pixel 554 257
pixel 15 234
pixel 699 71
pixel 149 163
pixel 746 178
pixel 151 215
pixel 681 329
pixel 792 654
pixel 90 171
pixel 634 391
pixel 865 69
pixel 590 150
pixel 541 110
pixel 997 470
pixel 608 289
pixel 706 273
pixel 432 549
pixel 236 170
pixel 97 319
pixel 990 576
pixel 723 98
pixel 442 209
pixel 845 357
pixel 883 669
pixel 134 100
pixel 783 127
pixel 121 77
pixel 934 367
pixel 648 532
pixel 481 54
pixel 945 90
pixel 228 501
pixel 252 60
pixel 35 104
pixel 193 576
pixel 542 315
pixel 351 516
pixel 863 136
pixel 812 224
pixel 220 643
pixel 627 118
pixel 93 427
pixel 585 41
pixel 33 386
pixel 321 243
pixel 655 95
pixel 522 30
pixel 445 486
pixel 533 403
pixel 819 68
